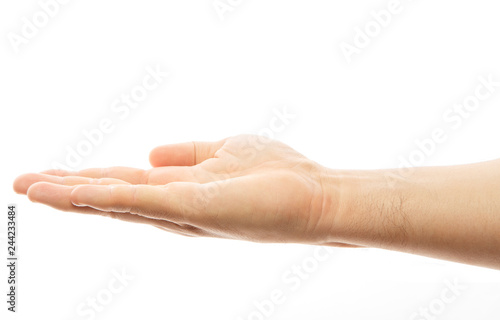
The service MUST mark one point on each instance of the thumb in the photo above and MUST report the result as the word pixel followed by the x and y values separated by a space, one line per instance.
pixel 184 154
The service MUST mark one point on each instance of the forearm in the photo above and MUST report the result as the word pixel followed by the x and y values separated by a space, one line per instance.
pixel 450 213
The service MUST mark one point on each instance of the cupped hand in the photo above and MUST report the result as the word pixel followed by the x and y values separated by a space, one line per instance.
pixel 244 187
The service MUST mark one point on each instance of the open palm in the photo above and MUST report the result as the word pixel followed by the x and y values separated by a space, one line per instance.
pixel 243 187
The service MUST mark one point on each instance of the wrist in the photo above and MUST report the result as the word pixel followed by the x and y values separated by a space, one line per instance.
pixel 369 208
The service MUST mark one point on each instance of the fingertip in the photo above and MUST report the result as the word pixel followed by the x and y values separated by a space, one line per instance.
pixel 179 154
pixel 183 154
pixel 154 158
pixel 36 191
pixel 20 186
pixel 25 181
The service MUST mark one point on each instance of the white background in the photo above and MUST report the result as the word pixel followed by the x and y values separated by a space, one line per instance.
pixel 226 77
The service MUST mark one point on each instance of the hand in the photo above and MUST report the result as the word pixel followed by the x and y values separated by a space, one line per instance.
pixel 244 187
pixel 249 188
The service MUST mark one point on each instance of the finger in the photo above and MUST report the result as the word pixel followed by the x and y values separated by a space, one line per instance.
pixel 184 154
pixel 55 196
pixel 58 197
pixel 130 175
pixel 154 176
pixel 23 182
pixel 145 200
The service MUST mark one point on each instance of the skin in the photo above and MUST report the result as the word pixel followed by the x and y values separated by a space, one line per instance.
pixel 250 188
